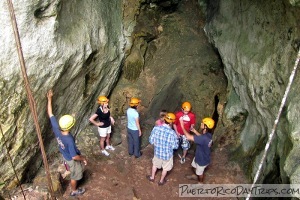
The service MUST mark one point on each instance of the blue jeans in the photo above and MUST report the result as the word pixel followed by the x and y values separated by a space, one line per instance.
pixel 133 142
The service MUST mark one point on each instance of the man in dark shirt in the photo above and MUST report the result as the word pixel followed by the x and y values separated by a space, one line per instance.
pixel 203 141
pixel 67 146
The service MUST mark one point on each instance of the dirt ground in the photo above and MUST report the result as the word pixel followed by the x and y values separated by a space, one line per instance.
pixel 122 177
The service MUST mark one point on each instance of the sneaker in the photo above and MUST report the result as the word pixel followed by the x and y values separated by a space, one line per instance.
pixel 182 160
pixel 109 147
pixel 79 191
pixel 105 152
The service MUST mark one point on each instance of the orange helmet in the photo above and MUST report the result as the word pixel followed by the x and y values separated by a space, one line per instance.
pixel 170 117
pixel 134 101
pixel 186 106
pixel 209 122
pixel 102 100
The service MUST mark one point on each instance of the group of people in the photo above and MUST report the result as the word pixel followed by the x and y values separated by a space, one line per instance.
pixel 170 130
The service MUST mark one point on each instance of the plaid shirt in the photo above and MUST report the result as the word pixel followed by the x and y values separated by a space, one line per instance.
pixel 165 140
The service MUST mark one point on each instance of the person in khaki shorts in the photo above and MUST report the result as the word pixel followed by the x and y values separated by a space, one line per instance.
pixel 67 146
pixel 203 140
pixel 164 140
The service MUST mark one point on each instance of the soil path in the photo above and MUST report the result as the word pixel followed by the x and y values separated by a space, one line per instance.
pixel 122 177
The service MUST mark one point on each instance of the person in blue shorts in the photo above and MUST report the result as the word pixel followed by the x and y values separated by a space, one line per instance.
pixel 67 146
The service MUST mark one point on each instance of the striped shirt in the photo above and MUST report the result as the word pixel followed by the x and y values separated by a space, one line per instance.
pixel 164 140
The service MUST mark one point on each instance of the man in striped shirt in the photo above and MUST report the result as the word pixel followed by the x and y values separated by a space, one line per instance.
pixel 164 140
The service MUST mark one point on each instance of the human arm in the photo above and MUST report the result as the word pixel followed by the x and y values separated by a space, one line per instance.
pixel 49 104
pixel 195 131
pixel 80 158
pixel 137 121
pixel 112 120
pixel 151 137
pixel 187 134
pixel 176 131
pixel 93 120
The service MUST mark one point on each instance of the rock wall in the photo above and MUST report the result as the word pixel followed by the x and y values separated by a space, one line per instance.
pixel 258 42
pixel 76 48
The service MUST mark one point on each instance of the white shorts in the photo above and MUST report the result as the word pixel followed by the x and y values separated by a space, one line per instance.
pixel 199 169
pixel 103 132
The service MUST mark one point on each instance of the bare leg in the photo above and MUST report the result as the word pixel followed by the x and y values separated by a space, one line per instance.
pixel 201 178
pixel 184 153
pixel 107 140
pixel 163 175
pixel 102 139
pixel 154 169
pixel 73 185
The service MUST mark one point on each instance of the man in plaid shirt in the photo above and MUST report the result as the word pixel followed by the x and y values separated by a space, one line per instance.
pixel 164 140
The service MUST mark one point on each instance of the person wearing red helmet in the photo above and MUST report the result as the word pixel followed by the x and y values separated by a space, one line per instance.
pixel 189 120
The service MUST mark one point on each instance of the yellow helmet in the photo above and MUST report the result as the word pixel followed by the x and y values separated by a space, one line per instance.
pixel 209 122
pixel 102 100
pixel 186 106
pixel 134 101
pixel 66 122
pixel 170 117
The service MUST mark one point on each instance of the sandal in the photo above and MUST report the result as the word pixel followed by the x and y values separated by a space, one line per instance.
pixel 162 183
pixel 149 178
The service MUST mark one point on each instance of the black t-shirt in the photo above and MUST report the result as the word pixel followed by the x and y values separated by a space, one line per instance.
pixel 103 117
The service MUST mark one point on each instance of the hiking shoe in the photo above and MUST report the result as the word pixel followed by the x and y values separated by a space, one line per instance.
pixel 182 160
pixel 141 153
pixel 109 147
pixel 149 178
pixel 162 183
pixel 105 152
pixel 79 191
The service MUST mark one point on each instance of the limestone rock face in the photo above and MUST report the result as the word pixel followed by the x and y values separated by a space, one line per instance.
pixel 258 42
pixel 74 47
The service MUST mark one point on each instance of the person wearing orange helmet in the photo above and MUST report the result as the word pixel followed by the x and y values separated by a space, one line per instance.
pixel 134 131
pixel 165 140
pixel 203 141
pixel 189 120
pixel 67 147
pixel 103 120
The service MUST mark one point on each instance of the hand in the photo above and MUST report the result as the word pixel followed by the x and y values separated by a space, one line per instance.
pixel 50 94
pixel 100 124
pixel 84 162
pixel 112 121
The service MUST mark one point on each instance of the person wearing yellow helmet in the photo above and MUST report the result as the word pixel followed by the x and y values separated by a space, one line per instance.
pixel 203 141
pixel 133 128
pixel 164 139
pixel 189 120
pixel 103 120
pixel 67 146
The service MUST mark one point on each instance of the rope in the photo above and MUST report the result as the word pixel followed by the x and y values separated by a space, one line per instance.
pixel 12 164
pixel 287 90
pixel 29 94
